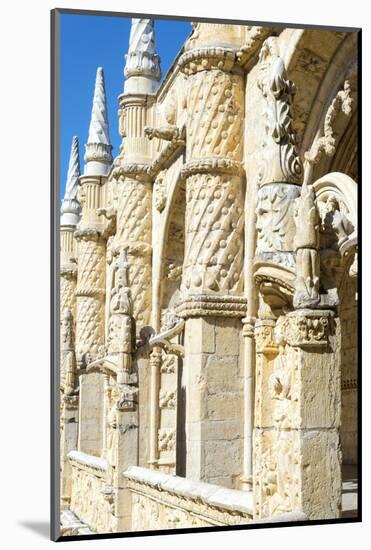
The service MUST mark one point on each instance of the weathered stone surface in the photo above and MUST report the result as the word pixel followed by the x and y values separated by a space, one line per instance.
pixel 208 286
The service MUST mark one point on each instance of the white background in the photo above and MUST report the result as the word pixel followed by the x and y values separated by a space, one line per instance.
pixel 24 271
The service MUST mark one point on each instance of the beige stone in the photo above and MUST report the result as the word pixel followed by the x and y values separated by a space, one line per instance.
pixel 208 368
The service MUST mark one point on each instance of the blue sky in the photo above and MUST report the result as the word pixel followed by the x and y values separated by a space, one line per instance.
pixel 88 42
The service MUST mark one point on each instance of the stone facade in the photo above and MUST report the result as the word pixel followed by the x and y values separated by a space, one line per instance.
pixel 208 286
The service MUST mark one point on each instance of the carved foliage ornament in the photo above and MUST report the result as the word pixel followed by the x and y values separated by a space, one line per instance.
pixel 342 103
pixel 281 161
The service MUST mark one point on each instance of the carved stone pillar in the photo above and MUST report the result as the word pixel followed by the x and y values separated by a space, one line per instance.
pixel 134 226
pixel 122 445
pixel 90 318
pixel 134 210
pixel 297 416
pixel 68 270
pixel 212 280
pixel 69 404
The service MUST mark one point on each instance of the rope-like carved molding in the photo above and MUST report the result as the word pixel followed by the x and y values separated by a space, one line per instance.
pixel 87 234
pixel 351 384
pixel 212 306
pixel 167 154
pixel 91 291
pixel 203 59
pixel 212 165
pixel 150 171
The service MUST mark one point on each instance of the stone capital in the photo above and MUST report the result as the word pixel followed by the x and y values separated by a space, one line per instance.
pixel 207 58
pixel 308 328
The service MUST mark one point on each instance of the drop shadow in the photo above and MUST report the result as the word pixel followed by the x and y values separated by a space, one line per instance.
pixel 42 528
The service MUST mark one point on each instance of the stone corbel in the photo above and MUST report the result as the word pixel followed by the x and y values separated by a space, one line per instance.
pixel 163 340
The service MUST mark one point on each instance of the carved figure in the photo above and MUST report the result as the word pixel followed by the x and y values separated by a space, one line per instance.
pixel 306 242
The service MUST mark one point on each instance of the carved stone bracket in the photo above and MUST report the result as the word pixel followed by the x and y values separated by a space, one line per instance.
pixel 163 340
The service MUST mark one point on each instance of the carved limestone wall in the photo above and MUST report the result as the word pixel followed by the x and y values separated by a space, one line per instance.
pixel 168 395
pixel 297 415
pixel 349 372
pixel 88 486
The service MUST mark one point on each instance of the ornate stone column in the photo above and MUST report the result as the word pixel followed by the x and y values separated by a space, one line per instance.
pixel 91 280
pixel 297 398
pixel 134 210
pixel 134 214
pixel 68 273
pixel 123 418
pixel 212 281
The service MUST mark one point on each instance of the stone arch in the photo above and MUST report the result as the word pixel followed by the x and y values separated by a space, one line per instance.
pixel 170 224
pixel 319 63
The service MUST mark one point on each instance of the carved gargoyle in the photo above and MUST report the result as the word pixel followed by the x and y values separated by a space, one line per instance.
pixel 167 133
pixel 109 212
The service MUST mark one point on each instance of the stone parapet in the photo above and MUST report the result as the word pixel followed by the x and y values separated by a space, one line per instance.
pixel 174 499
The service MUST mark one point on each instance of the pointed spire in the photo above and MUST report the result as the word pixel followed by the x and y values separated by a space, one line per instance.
pixel 98 157
pixel 142 69
pixel 70 209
